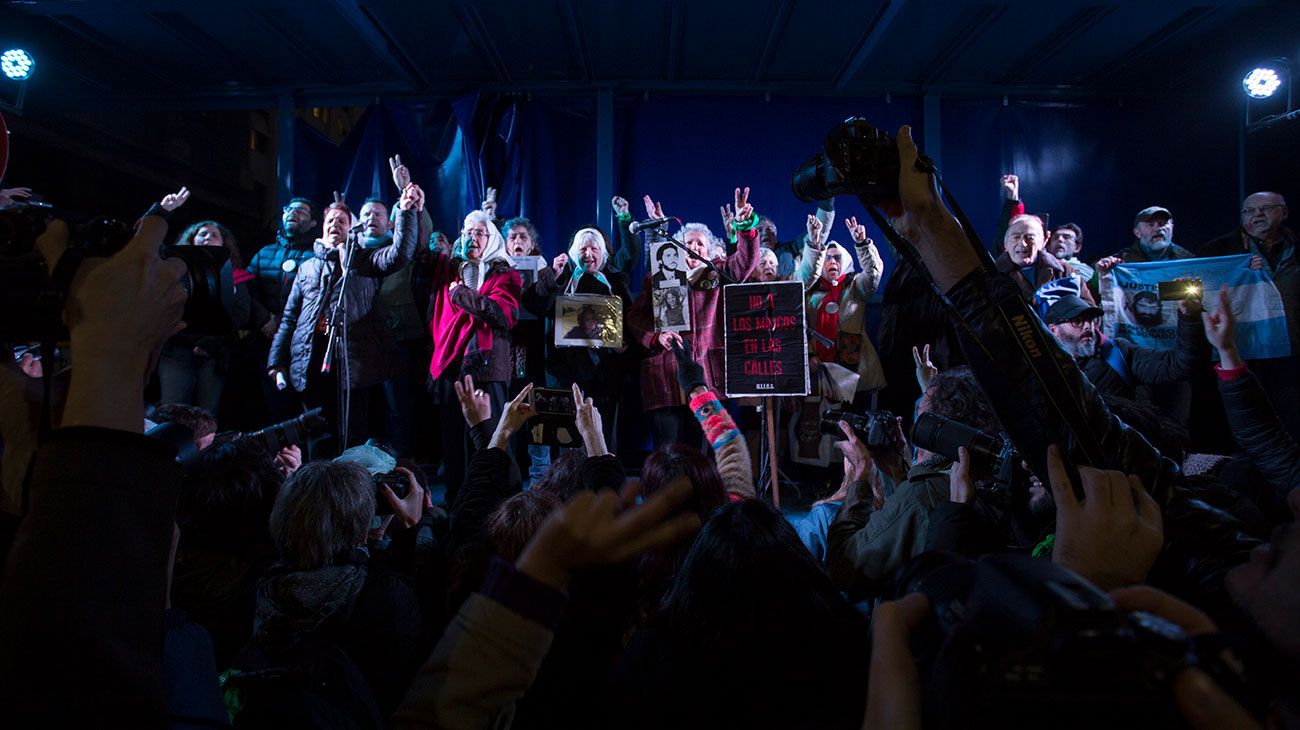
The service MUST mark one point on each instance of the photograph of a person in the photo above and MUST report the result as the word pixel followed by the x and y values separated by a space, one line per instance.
pixel 588 320
pixel 671 312
pixel 668 267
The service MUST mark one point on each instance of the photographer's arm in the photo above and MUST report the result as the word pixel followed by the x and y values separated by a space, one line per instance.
pixel 999 321
pixel 83 599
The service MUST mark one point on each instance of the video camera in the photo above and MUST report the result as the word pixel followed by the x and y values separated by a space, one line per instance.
pixel 301 430
pixel 1015 641
pixel 996 467
pixel 26 286
pixel 876 429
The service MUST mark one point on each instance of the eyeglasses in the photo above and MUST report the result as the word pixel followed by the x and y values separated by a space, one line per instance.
pixel 476 234
pixel 297 209
pixel 1265 209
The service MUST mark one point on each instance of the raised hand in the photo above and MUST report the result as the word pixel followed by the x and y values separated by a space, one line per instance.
pixel 1011 187
pixel 857 231
pixel 814 228
pixel 412 198
pixel 922 218
pixel 1113 536
pixel 1219 331
pixel 1106 264
pixel 490 203
pixel 590 425
pixel 559 262
pixel 474 403
pixel 744 211
pixel 516 414
pixel 653 209
pixel 338 198
pixel 401 175
pixel 606 528
pixel 620 205
pixel 172 201
pixel 925 368
pixel 728 217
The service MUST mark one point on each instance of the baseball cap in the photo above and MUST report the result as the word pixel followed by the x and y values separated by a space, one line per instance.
pixel 1069 308
pixel 1152 212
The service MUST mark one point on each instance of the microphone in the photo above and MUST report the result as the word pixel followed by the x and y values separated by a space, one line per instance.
pixel 639 226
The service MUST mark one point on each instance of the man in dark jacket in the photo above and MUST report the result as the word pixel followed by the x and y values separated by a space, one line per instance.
pixel 1115 365
pixel 273 269
pixel 332 343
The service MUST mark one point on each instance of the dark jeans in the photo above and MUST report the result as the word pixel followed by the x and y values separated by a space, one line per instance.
pixel 456 445
pixel 190 379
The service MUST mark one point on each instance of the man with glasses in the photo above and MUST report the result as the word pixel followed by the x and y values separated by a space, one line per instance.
pixel 273 269
pixel 1273 247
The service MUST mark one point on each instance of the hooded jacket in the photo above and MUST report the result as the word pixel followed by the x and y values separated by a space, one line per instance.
pixel 371 353
pixel 273 268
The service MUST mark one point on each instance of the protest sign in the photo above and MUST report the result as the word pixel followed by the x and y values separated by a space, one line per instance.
pixel 765 339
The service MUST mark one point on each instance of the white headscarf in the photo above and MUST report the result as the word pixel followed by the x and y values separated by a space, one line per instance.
pixel 575 257
pixel 846 260
pixel 493 250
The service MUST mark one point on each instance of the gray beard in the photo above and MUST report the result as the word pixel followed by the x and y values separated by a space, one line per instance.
pixel 1079 351
pixel 1155 246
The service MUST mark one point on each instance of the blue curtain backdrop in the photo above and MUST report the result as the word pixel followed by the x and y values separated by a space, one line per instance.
pixel 1095 164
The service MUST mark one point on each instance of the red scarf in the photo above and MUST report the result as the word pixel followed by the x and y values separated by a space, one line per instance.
pixel 451 327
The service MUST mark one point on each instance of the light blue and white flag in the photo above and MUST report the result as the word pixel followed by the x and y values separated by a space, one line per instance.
pixel 1133 309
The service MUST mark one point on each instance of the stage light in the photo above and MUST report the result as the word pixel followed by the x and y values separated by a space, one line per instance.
pixel 1261 83
pixel 17 64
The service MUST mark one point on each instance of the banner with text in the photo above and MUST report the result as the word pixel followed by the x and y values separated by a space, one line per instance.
pixel 1133 310
pixel 765 339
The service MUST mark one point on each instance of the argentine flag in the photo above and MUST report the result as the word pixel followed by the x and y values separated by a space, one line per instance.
pixel 1133 309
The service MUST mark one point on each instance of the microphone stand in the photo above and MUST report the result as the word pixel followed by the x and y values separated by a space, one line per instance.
pixel 707 263
pixel 336 328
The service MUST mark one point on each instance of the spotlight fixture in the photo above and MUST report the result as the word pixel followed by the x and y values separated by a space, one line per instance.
pixel 1261 83
pixel 17 64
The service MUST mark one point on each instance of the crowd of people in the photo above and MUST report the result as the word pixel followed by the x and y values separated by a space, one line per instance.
pixel 1082 559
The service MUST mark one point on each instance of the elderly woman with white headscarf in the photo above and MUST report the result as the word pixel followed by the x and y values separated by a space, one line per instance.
pixel 473 304
pixel 589 268
pixel 837 304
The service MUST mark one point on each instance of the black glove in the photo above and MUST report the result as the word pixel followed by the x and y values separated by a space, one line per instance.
pixel 689 373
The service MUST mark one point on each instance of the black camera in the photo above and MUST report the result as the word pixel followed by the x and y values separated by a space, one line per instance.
pixel 24 273
pixel 1015 641
pixel 876 429
pixel 301 429
pixel 996 466
pixel 856 159
pixel 394 480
